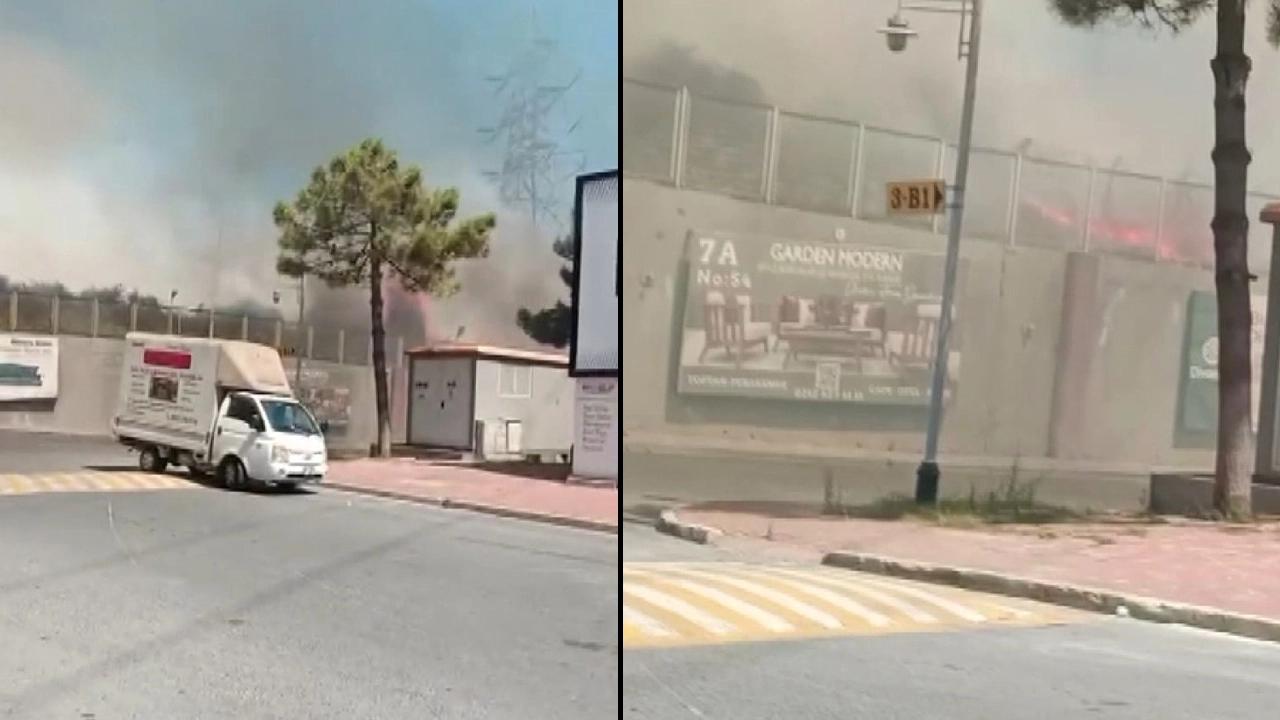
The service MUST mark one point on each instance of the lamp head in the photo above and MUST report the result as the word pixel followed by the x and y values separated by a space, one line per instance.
pixel 896 33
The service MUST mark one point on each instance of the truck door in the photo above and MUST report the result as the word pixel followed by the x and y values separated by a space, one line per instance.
pixel 234 432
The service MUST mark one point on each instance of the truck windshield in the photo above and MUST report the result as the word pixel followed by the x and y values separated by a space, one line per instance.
pixel 289 417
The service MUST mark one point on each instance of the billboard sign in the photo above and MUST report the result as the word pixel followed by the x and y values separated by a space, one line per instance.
pixel 814 321
pixel 326 396
pixel 1198 407
pixel 595 424
pixel 28 367
pixel 597 264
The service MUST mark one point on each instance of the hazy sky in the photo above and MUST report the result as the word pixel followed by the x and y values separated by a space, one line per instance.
pixel 135 133
pixel 1092 96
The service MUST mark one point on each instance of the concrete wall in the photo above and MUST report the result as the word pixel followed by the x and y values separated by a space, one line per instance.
pixel 89 379
pixel 546 415
pixel 1127 345
pixel 362 430
pixel 1010 310
pixel 88 383
pixel 732 471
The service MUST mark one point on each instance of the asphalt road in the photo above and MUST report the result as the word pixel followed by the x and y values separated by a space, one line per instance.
pixel 201 603
pixel 22 452
pixel 1090 667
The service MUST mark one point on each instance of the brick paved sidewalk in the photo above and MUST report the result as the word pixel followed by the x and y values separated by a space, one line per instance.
pixel 1229 567
pixel 480 489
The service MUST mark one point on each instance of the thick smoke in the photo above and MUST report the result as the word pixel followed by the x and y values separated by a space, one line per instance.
pixel 1078 95
pixel 143 144
pixel 675 65
pixel 482 312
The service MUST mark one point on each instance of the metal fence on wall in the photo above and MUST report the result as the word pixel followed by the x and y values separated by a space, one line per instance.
pixel 840 167
pixel 51 315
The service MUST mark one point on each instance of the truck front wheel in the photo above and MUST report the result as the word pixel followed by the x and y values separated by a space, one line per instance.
pixel 232 474
pixel 149 460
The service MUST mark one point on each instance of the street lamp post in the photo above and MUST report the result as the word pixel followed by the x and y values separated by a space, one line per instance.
pixel 302 309
pixel 173 315
pixel 897 33
pixel 302 315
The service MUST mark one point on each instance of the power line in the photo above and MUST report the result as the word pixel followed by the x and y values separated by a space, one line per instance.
pixel 536 164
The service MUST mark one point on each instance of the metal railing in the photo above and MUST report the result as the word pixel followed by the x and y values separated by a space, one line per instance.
pixel 93 318
pixel 839 167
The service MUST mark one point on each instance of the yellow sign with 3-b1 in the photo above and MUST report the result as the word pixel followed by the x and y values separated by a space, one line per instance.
pixel 915 197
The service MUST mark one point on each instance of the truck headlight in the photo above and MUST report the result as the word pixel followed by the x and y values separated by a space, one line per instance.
pixel 279 455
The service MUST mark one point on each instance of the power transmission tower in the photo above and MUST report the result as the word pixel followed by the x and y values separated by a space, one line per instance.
pixel 531 129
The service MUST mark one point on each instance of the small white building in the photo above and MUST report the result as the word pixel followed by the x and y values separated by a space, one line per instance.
pixel 497 403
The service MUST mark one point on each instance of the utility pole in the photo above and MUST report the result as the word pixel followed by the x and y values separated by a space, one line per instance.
pixel 533 156
pixel 302 308
pixel 298 352
pixel 898 32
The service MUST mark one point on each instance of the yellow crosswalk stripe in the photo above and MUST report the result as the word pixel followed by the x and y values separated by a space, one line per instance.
pixel 99 481
pixel 881 598
pixel 793 604
pixel 851 607
pixel 633 618
pixel 43 483
pixel 680 608
pixel 84 482
pixel 759 615
pixel 957 609
pixel 48 483
pixel 147 482
pixel 88 481
pixel 129 481
pixel 667 604
pixel 79 482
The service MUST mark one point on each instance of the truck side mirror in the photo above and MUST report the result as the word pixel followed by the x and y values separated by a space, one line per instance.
pixel 255 422
pixel 324 427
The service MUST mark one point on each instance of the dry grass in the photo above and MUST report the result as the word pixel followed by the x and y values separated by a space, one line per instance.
pixel 1012 503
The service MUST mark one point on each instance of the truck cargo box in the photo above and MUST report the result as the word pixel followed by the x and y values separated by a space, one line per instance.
pixel 171 387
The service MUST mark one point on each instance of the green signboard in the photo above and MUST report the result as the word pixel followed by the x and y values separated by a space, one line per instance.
pixel 1199 412
pixel 816 321
pixel 1198 405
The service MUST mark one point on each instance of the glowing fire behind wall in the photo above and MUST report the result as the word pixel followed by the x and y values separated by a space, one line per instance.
pixel 1190 241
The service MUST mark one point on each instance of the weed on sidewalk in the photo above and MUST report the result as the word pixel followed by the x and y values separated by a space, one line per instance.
pixel 1011 503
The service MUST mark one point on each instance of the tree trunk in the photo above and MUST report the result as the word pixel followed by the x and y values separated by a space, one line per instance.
pixel 1234 467
pixel 379 336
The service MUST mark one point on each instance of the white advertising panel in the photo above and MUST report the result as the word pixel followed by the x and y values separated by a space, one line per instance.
pixel 28 367
pixel 169 387
pixel 594 345
pixel 595 428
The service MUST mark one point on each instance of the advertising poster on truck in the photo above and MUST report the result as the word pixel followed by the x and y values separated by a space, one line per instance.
pixel 169 387
pixel 28 368
pixel 812 321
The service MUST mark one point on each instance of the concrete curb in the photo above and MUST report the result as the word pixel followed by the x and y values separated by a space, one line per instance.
pixel 390 494
pixel 669 524
pixel 1079 597
pixel 498 510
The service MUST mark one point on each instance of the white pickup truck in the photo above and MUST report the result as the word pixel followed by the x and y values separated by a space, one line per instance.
pixel 216 406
